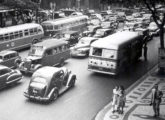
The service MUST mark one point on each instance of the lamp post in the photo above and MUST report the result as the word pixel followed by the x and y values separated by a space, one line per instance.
pixel 78 4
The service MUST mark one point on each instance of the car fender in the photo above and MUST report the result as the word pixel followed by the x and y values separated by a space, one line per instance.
pixel 37 66
pixel 51 92
pixel 14 76
pixel 70 78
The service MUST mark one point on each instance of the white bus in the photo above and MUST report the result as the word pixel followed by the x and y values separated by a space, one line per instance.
pixel 73 23
pixel 20 36
pixel 115 52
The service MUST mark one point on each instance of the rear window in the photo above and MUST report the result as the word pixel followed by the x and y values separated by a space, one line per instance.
pixel 39 80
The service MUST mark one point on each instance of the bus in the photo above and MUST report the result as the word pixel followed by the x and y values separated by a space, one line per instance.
pixel 73 23
pixel 114 53
pixel 50 52
pixel 20 36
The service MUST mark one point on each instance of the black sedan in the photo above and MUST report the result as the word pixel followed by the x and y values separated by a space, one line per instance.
pixel 8 76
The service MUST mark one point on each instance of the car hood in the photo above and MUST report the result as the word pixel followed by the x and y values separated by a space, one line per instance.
pixel 81 46
pixel 33 58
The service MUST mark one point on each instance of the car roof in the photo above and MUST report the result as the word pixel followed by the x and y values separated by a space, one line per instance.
pixel 5 52
pixel 51 42
pixel 18 27
pixel 46 72
pixel 70 32
pixel 88 38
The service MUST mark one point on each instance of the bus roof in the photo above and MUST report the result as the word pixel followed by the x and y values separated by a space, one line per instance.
pixel 64 20
pixel 18 28
pixel 52 42
pixel 115 40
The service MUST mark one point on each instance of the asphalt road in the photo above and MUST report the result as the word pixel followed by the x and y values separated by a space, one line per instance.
pixel 91 92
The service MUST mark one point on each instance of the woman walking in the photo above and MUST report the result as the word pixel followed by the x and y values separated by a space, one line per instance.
pixel 121 99
pixel 115 99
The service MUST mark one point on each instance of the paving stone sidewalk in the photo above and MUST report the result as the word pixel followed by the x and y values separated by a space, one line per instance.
pixel 138 100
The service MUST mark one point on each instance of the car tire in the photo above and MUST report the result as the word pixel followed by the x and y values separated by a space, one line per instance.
pixel 73 80
pixel 54 95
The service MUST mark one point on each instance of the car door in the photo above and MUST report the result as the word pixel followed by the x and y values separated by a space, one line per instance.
pixel 6 60
pixel 3 77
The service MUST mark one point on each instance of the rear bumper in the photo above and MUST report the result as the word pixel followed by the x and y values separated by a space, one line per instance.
pixel 102 70
pixel 38 98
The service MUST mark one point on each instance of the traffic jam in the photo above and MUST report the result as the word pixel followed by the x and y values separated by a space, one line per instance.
pixel 111 40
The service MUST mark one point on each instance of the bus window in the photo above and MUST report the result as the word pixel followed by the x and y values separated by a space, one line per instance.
pixel 6 37
pixel 31 32
pixel 56 27
pixel 35 30
pixel 97 52
pixel 26 32
pixel 1 38
pixel 112 54
pixel 11 36
pixel 49 52
pixel 16 35
pixel 39 30
pixel 54 51
pixel 20 34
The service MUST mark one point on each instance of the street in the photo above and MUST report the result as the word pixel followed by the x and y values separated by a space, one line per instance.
pixel 91 93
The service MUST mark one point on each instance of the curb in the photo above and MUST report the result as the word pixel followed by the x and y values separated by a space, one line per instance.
pixel 103 111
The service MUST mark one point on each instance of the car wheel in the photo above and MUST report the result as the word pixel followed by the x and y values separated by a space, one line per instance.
pixel 73 81
pixel 55 94
pixel 34 41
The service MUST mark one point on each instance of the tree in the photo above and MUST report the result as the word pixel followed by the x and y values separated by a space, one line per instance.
pixel 21 4
pixel 159 18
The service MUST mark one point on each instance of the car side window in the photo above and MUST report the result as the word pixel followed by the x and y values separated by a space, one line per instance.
pixel 6 57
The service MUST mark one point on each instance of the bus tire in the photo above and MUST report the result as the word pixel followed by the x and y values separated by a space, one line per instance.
pixel 34 41
pixel 61 62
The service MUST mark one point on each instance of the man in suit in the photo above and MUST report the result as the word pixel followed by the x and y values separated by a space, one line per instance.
pixel 156 96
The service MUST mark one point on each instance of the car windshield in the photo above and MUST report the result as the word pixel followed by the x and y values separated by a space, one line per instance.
pixel 90 28
pixel 100 32
pixel 39 80
pixel 36 51
pixel 84 41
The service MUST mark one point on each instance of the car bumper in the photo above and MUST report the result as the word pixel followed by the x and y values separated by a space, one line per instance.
pixel 76 54
pixel 38 98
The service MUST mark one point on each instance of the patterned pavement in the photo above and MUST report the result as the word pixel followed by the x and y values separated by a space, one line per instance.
pixel 137 101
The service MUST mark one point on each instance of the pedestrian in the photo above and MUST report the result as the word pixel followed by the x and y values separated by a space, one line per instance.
pixel 114 99
pixel 156 96
pixel 121 99
pixel 145 48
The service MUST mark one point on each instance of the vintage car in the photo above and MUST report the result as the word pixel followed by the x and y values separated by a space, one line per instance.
pixel 47 83
pixel 131 26
pixel 9 76
pixel 103 32
pixel 8 57
pixel 81 49
pixel 91 29
pixel 50 52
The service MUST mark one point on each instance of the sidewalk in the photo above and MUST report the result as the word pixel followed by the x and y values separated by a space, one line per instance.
pixel 138 100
